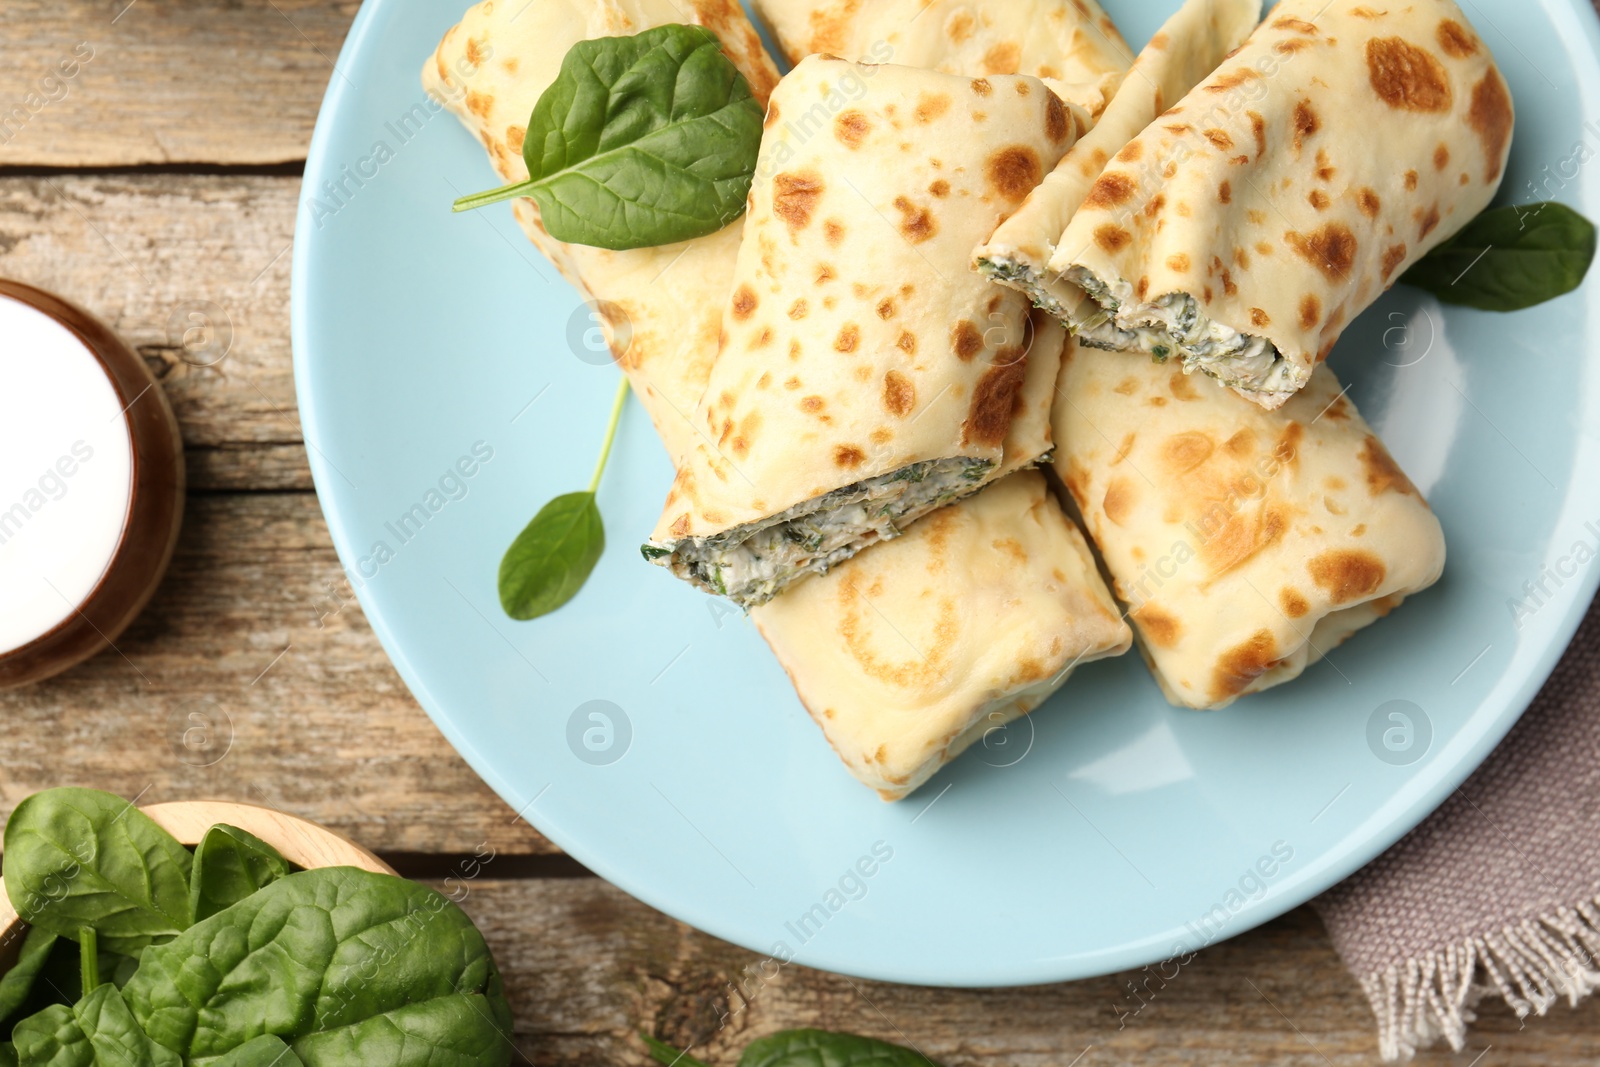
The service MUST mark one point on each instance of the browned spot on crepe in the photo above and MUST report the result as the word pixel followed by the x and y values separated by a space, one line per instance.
pixel 981 86
pixel 930 106
pixel 848 456
pixel 1441 156
pixel 744 302
pixel 1131 152
pixel 1241 665
pixel 906 342
pixel 965 340
pixel 833 230
pixel 1259 317
pixel 514 137
pixel 1457 40
pixel 1490 118
pixel 1112 238
pixel 480 104
pixel 1294 605
pixel 1055 118
pixel 849 338
pixel 1003 58
pixel 1304 125
pixel 1347 575
pixel 940 188
pixel 1406 77
pixel 1310 311
pixel 1368 202
pixel 1318 199
pixel 1219 138
pixel 1393 256
pixel 899 394
pixel 1109 190
pixel 794 198
pixel 772 115
pixel 916 224
pixel 1121 496
pixel 1241 538
pixel 1330 248
pixel 1225 193
pixel 1159 628
pixel 1178 262
pixel 1014 171
pixel 1427 221
pixel 1383 474
pixel 1258 127
pixel 994 399
pixel 1185 451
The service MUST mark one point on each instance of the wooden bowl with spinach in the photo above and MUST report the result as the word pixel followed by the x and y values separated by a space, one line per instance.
pixel 228 935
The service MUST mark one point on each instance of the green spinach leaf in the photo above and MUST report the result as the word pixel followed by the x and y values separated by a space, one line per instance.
pixel 322 952
pixel 641 140
pixel 1509 258
pixel 229 865
pixel 52 1038
pixel 458 1030
pixel 805 1048
pixel 19 981
pixel 115 1037
pixel 555 553
pixel 80 857
pixel 268 1050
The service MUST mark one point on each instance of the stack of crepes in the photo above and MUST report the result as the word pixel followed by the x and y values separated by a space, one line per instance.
pixel 826 372
pixel 906 653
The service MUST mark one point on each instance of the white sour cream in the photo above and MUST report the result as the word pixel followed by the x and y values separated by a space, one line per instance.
pixel 66 473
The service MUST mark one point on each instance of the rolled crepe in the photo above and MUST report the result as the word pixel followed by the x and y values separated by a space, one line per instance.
pixel 1247 543
pixel 1071 44
pixel 1188 46
pixel 660 308
pixel 1244 228
pixel 866 376
pixel 910 652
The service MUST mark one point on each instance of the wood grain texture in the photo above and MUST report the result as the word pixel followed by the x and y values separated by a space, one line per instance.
pixel 168 81
pixel 586 966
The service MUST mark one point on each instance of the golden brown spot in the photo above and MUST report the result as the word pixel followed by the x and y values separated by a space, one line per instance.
pixel 965 340
pixel 906 342
pixel 959 28
pixel 1263 248
pixel 1288 22
pixel 1239 667
pixel 940 188
pixel 1225 193
pixel 849 338
pixel 1305 124
pixel 1310 311
pixel 791 383
pixel 994 400
pixel 1406 77
pixel 833 230
pixel 1130 152
pixel 474 53
pixel 1014 171
pixel 885 308
pixel 851 127
pixel 1154 205
pixel 514 137
pixel 1258 128
pixel 1259 318
pixel 1142 289
pixel 1325 170
pixel 899 394
pixel 848 456
pixel 981 86
pixel 680 526
pixel 511 64
pixel 1121 496
pixel 1330 248
pixel 764 381
pixel 1228 285
pixel 1112 238
pixel 811 404
pixel 1347 575
pixel 1003 58
pixel 1184 452
pixel 1393 256
pixel 1232 80
pixel 1427 222
pixel 1055 118
pixel 1457 40
pixel 1368 202
pixel 744 302
pixel 1181 387
pixel 1127 387
pixel 480 104
pixel 1288 447
pixel 772 115
pixel 1219 138
pixel 1490 118
pixel 1109 190
pixel 1411 181
pixel 931 105
pixel 763 338
pixel 1159 628
pixel 1319 199
pixel 916 224
pixel 1383 474
pixel 1241 444
pixel 794 198
pixel 1178 263
pixel 1441 156
pixel 1157 401
pixel 1294 605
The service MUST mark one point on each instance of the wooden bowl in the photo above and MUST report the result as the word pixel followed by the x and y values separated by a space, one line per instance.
pixel 302 842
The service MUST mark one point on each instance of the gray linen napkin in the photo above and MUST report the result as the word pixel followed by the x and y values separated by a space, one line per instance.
pixel 1498 892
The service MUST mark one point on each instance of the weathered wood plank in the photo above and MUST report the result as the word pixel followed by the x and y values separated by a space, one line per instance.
pixel 193 271
pixel 254 653
pixel 165 81
pixel 587 966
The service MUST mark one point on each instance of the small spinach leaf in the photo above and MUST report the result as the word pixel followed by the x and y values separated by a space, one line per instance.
pixel 318 951
pixel 459 1029
pixel 1510 258
pixel 268 1050
pixel 555 553
pixel 80 857
pixel 229 865
pixel 52 1038
pixel 18 982
pixel 641 140
pixel 115 1037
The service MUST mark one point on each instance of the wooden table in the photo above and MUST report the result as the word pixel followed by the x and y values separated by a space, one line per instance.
pixel 161 183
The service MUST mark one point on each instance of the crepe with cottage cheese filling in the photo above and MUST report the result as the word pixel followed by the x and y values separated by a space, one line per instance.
pixel 1188 46
pixel 908 653
pixel 1071 44
pixel 866 376
pixel 1243 229
pixel 1246 543
pixel 660 308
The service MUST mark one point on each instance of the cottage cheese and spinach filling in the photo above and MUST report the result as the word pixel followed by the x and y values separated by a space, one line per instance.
pixel 751 564
pixel 1173 325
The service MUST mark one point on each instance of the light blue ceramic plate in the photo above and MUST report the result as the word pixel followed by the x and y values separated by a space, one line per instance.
pixel 1127 831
